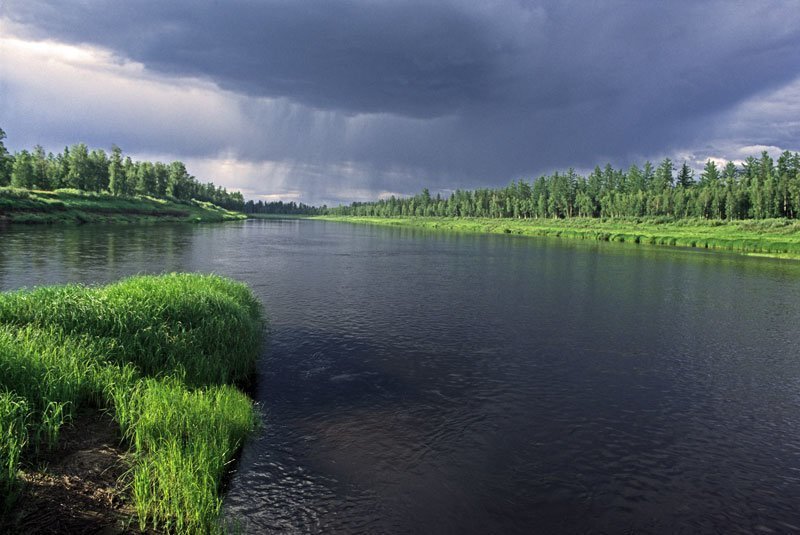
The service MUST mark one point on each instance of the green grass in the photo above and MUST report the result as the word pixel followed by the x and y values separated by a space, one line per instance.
pixel 73 206
pixel 162 354
pixel 768 237
pixel 14 413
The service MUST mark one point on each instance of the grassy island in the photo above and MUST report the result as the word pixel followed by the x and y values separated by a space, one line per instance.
pixel 75 206
pixel 768 237
pixel 162 357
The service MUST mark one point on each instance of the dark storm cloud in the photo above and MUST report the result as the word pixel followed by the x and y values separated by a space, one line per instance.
pixel 415 59
pixel 460 92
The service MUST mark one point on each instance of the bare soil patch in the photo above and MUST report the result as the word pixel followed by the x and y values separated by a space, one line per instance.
pixel 77 487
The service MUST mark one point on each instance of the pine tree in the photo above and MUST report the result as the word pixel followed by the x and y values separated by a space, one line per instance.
pixel 685 176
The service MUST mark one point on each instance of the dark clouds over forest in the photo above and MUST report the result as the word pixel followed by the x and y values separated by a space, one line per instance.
pixel 330 101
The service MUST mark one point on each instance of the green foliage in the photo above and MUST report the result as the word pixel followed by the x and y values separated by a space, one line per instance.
pixel 185 436
pixel 22 171
pixel 760 189
pixel 282 208
pixel 6 161
pixel 14 413
pixel 160 353
pixel 69 205
pixel 116 176
pixel 82 169
pixel 772 237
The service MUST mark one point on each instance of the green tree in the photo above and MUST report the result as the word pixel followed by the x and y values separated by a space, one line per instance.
pixel 129 171
pixel 116 173
pixel 97 180
pixel 685 176
pixel 145 178
pixel 80 167
pixel 663 180
pixel 635 179
pixel 6 161
pixel 178 181
pixel 710 174
pixel 161 179
pixel 41 175
pixel 22 172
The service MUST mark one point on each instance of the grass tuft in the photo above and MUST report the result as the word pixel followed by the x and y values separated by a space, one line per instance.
pixel 14 413
pixel 162 354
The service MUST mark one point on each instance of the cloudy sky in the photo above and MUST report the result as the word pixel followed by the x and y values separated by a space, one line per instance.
pixel 333 101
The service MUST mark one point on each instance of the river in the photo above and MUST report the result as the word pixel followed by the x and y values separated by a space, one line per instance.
pixel 422 382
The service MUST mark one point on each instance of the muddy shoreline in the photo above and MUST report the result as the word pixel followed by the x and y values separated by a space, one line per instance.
pixel 78 486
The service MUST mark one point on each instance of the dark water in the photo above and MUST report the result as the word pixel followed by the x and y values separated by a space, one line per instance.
pixel 438 383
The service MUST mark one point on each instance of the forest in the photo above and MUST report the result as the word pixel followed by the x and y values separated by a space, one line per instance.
pixel 80 168
pixel 759 188
pixel 282 208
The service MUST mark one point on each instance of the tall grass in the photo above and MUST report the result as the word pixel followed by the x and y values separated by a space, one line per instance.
pixel 187 437
pixel 161 353
pixel 194 325
pixel 13 438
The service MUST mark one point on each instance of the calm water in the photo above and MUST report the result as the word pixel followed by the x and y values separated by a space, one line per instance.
pixel 436 383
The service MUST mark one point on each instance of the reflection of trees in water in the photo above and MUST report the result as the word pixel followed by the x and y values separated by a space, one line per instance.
pixel 89 253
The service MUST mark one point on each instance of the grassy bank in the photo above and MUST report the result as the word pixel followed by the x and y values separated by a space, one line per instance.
pixel 162 355
pixel 771 237
pixel 72 206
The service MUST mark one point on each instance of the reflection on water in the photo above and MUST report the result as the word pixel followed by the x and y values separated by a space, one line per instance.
pixel 419 382
pixel 39 255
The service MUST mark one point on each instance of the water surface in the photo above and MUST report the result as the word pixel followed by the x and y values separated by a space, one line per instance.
pixel 419 382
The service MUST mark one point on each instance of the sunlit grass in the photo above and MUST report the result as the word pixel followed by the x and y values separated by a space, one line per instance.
pixel 184 439
pixel 162 354
pixel 74 206
pixel 769 237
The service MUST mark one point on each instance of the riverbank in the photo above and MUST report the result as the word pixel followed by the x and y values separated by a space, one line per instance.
pixel 277 216
pixel 76 207
pixel 769 237
pixel 164 357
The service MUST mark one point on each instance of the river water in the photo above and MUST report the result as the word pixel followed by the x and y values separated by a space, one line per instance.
pixel 420 382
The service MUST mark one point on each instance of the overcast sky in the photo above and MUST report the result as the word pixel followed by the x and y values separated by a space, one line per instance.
pixel 333 101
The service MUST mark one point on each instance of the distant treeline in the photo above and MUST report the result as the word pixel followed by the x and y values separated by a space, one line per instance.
pixel 94 170
pixel 760 188
pixel 280 207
